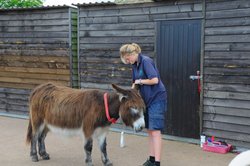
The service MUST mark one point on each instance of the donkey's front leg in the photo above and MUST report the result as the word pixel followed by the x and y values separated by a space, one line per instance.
pixel 103 144
pixel 88 150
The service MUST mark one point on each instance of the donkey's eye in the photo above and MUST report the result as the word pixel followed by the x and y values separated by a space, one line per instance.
pixel 134 111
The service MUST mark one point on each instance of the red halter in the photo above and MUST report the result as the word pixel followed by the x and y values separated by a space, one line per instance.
pixel 112 120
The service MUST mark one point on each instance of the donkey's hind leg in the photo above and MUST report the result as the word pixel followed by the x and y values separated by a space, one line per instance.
pixel 41 144
pixel 102 145
pixel 33 149
pixel 36 133
pixel 88 150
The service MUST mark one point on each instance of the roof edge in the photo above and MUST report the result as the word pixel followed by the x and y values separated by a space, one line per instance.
pixel 37 8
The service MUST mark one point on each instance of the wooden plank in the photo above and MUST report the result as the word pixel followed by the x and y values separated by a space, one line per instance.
pixel 239 112
pixel 227 95
pixel 104 86
pixel 105 60
pixel 154 17
pixel 98 20
pixel 35 70
pixel 18 113
pixel 16 23
pixel 34 35
pixel 227 55
pixel 108 53
pixel 227 47
pixel 50 65
pixel 226 79
pixel 113 73
pixel 50 59
pixel 116 39
pixel 121 26
pixel 242 21
pixel 29 52
pixel 110 46
pixel 183 15
pixel 106 80
pixel 35 46
pixel 31 81
pixel 37 28
pixel 232 30
pixel 33 16
pixel 14 91
pixel 18 85
pixel 149 47
pixel 14 96
pixel 227 87
pixel 228 13
pixel 15 101
pixel 35 76
pixel 227 70
pixel 226 119
pixel 225 5
pixel 117 33
pixel 227 103
pixel 88 76
pixel 10 108
pixel 228 38
pixel 118 67
pixel 235 63
pixel 103 66
pixel 110 67
pixel 56 41
pixel 227 127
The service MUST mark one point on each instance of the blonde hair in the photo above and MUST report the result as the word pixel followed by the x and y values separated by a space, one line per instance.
pixel 128 49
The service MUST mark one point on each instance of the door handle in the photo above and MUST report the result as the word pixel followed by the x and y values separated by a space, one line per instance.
pixel 197 77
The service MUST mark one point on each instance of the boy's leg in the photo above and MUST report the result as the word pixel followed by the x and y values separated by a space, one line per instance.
pixel 157 144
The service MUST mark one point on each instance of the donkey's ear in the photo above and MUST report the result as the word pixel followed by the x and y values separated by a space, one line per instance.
pixel 119 89
pixel 135 86
pixel 121 92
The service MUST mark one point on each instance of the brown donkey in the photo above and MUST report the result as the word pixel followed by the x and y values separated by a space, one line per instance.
pixel 70 111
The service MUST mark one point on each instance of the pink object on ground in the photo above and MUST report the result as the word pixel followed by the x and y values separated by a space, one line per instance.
pixel 216 147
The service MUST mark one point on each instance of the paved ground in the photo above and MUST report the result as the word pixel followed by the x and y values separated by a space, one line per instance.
pixel 69 151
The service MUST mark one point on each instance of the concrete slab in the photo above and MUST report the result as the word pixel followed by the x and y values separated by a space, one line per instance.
pixel 69 151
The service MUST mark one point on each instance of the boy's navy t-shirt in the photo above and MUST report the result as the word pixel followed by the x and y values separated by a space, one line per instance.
pixel 145 68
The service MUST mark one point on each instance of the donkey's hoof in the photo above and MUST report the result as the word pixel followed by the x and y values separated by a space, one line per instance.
pixel 34 158
pixel 108 163
pixel 89 164
pixel 45 156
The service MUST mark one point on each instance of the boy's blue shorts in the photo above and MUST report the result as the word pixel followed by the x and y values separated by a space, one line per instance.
pixel 155 115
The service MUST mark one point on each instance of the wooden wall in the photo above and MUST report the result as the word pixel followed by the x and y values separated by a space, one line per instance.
pixel 104 28
pixel 227 71
pixel 37 45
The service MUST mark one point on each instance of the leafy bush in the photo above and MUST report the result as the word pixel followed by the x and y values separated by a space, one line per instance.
pixel 20 3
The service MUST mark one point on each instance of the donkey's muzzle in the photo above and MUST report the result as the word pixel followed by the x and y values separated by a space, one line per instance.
pixel 138 129
pixel 139 124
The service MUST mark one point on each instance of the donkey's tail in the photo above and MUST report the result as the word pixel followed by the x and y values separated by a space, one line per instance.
pixel 29 133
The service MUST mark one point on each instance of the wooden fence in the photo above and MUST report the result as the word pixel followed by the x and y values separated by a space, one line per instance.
pixel 37 45
pixel 226 111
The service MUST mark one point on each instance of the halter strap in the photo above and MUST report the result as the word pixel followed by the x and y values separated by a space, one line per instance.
pixel 105 97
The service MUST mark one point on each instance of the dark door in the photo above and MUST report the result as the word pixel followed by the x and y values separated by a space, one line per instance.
pixel 178 57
